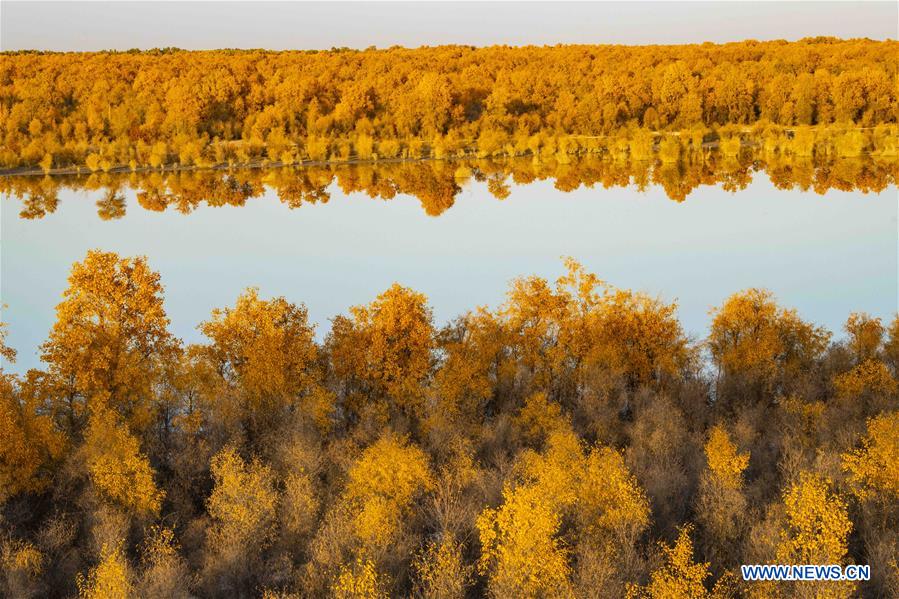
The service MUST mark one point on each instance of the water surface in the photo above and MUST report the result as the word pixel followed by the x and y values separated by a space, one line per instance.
pixel 827 254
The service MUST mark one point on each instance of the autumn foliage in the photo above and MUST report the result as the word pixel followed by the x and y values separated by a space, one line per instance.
pixel 571 442
pixel 168 107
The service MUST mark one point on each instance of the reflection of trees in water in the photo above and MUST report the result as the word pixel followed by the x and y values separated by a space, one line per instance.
pixel 437 183
pixel 37 200
pixel 216 188
pixel 112 205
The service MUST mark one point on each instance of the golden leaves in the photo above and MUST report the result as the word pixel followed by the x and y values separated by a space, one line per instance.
pixel 198 108
pixel 870 377
pixel 492 399
pixel 679 576
pixel 22 557
pixel 359 580
pixel 585 322
pixel 522 550
pixel 110 579
pixel 441 569
pixel 539 417
pixel 610 498
pixel 29 439
pixel 817 523
pixel 874 468
pixel 752 337
pixel 243 502
pixel 116 466
pixel 6 352
pixel 865 335
pixel 386 346
pixel 744 333
pixel 263 347
pixel 382 484
pixel 110 338
pixel 725 464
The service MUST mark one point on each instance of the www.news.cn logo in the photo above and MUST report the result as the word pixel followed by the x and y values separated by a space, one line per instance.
pixel 805 572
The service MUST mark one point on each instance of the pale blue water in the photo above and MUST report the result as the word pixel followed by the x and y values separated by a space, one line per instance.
pixel 826 255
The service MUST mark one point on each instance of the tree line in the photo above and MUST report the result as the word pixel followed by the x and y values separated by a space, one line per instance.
pixel 197 108
pixel 572 442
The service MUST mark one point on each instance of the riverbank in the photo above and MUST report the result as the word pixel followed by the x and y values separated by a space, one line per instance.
pixel 668 146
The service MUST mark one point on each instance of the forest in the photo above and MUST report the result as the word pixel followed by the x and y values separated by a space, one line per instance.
pixel 572 442
pixel 95 112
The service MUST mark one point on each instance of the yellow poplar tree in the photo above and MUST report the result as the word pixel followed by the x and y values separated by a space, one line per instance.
pixel 116 466
pixel 520 546
pixel 110 579
pixel 382 485
pixel 679 576
pixel 871 377
pixel 817 523
pixel 386 346
pixel 610 500
pixel 473 365
pixel 865 335
pixel 534 314
pixel 243 509
pixel 721 503
pixel 110 342
pixel 874 467
pixel 754 339
pixel 638 336
pixel 29 441
pixel 522 549
pixel 243 503
pixel 816 532
pixel 891 346
pixel 359 580
pixel 441 571
pixel 726 465
pixel 266 350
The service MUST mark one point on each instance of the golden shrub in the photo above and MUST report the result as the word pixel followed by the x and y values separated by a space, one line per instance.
pixel 725 463
pixel 441 570
pixel 817 523
pixel 520 548
pixel 382 484
pixel 679 576
pixel 871 377
pixel 874 468
pixel 110 579
pixel 358 581
pixel 243 502
pixel 116 466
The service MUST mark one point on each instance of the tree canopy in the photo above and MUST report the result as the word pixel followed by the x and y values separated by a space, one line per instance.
pixel 572 441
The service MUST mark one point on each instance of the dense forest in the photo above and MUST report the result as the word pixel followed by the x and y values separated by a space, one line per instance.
pixel 155 108
pixel 572 442
pixel 802 164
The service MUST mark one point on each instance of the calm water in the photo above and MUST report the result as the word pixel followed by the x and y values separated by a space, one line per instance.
pixel 825 254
